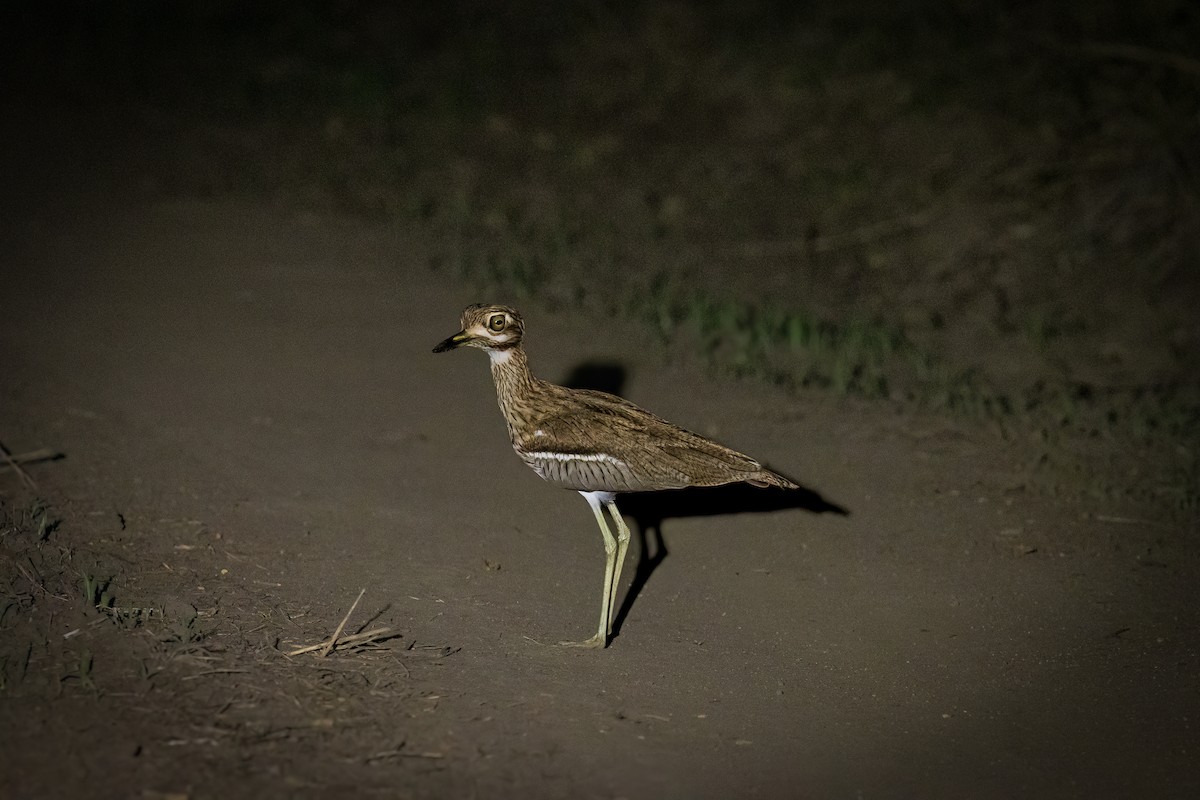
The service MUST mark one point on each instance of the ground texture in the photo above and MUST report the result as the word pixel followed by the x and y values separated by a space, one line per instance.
pixel 254 430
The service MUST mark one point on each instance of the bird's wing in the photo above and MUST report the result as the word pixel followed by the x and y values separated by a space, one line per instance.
pixel 660 455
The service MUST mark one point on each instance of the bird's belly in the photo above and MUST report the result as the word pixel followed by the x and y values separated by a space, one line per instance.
pixel 582 472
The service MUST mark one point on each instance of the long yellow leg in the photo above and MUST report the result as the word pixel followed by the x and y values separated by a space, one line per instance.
pixel 610 557
pixel 622 547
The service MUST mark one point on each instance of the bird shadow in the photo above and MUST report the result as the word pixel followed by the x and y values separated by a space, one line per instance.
pixel 650 509
pixel 601 376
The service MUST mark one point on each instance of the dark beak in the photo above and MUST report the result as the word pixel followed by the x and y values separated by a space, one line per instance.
pixel 454 341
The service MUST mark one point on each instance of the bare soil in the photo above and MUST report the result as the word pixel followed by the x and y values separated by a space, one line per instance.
pixel 254 430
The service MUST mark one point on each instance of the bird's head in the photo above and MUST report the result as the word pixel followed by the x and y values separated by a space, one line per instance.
pixel 488 327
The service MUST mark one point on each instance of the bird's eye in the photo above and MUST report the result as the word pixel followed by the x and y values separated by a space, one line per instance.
pixel 496 323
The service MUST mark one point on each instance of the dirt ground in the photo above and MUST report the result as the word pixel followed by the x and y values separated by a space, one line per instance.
pixel 253 430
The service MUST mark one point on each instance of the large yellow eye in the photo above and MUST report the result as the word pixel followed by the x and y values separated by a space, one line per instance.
pixel 496 323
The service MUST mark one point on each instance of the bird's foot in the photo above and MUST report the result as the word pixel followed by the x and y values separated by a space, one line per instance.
pixel 595 641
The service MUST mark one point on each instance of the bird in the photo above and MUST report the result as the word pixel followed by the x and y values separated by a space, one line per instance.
pixel 595 443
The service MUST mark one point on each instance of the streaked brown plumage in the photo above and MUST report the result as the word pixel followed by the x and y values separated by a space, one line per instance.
pixel 595 443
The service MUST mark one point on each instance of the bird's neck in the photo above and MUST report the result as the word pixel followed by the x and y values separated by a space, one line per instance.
pixel 515 387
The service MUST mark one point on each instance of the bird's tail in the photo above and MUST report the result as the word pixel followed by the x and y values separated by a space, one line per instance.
pixel 766 477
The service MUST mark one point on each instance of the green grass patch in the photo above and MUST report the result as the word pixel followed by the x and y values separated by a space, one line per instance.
pixel 97 592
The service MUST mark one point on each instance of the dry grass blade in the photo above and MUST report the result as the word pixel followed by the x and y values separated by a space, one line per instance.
pixel 342 625
pixel 34 456
pixel 12 462
pixel 327 646
pixel 36 582
pixel 358 638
